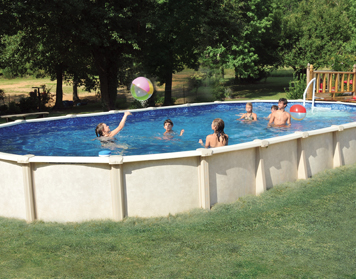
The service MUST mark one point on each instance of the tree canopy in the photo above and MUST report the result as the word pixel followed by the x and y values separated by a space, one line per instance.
pixel 116 40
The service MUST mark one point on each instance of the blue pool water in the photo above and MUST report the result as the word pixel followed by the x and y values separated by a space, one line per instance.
pixel 143 132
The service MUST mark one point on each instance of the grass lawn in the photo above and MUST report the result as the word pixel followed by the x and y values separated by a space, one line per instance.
pixel 24 85
pixel 271 89
pixel 304 229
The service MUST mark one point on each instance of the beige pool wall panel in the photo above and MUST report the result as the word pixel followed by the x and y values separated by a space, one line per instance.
pixel 280 161
pixel 72 192
pixel 231 175
pixel 319 153
pixel 347 141
pixel 12 190
pixel 161 187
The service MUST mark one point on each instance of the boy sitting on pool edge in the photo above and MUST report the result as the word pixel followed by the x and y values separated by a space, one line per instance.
pixel 280 116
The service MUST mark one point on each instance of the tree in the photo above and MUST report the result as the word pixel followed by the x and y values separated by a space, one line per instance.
pixel 43 41
pixel 172 39
pixel 243 35
pixel 63 29
pixel 110 30
pixel 315 32
pixel 351 46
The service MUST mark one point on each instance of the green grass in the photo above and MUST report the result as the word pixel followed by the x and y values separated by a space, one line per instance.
pixel 271 89
pixel 304 229
pixel 282 72
pixel 24 85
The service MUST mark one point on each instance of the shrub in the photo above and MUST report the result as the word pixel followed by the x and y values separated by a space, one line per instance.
pixel 220 91
pixel 135 105
pixel 3 109
pixel 196 81
pixel 2 96
pixel 28 104
pixel 14 108
pixel 296 87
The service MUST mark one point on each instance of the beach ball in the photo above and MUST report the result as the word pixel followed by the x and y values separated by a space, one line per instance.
pixel 298 112
pixel 141 88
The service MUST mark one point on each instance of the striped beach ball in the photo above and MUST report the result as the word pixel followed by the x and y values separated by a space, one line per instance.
pixel 298 112
pixel 141 88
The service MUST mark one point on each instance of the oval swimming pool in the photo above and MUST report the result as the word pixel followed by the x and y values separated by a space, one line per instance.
pixel 143 132
pixel 79 188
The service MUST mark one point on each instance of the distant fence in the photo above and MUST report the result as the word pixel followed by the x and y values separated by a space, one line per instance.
pixel 332 82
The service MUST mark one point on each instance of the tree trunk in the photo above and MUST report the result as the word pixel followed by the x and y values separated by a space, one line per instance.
pixel 59 87
pixel 237 79
pixel 75 88
pixel 108 66
pixel 168 89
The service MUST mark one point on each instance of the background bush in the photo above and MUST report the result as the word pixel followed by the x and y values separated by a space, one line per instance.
pixel 296 87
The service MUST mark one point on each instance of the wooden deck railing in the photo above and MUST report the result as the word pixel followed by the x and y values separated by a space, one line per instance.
pixel 331 82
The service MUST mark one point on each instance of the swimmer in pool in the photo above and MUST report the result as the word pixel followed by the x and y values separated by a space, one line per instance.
pixel 103 130
pixel 273 109
pixel 168 126
pixel 249 115
pixel 280 116
pixel 219 138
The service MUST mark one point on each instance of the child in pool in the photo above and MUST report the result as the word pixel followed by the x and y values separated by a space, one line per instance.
pixel 280 116
pixel 103 130
pixel 273 109
pixel 249 115
pixel 219 138
pixel 168 125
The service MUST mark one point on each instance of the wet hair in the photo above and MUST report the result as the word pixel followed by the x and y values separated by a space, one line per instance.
pixel 274 107
pixel 220 125
pixel 99 130
pixel 284 100
pixel 250 104
pixel 168 121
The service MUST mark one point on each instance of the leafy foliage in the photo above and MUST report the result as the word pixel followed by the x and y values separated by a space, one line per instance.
pixel 296 87
pixel 107 43
pixel 250 42
pixel 315 32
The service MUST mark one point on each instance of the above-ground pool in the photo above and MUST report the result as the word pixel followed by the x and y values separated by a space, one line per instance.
pixel 55 173
pixel 143 132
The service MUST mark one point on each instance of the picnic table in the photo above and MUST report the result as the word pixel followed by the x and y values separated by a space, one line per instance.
pixel 24 115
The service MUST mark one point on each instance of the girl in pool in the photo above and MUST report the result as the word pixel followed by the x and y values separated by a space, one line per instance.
pixel 249 115
pixel 219 138
pixel 103 130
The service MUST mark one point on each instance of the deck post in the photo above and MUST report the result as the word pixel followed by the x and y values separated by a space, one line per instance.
pixel 309 78
pixel 354 81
